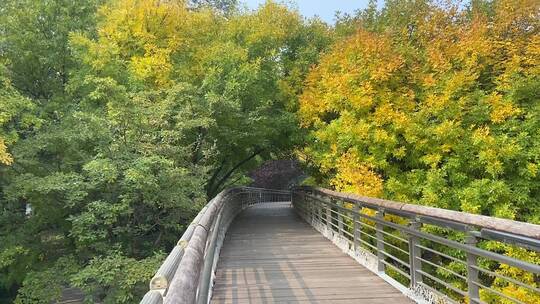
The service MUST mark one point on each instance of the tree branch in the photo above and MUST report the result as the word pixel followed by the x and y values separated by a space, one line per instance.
pixel 213 187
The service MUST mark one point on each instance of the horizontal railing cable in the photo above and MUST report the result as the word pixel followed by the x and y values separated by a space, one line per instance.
pixel 433 255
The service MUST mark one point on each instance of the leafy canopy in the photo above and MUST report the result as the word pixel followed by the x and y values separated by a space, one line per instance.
pixel 119 119
pixel 434 105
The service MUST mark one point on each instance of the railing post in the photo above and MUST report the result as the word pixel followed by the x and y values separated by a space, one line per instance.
pixel 380 238
pixel 472 272
pixel 414 254
pixel 319 210
pixel 328 216
pixel 312 209
pixel 356 233
pixel 339 217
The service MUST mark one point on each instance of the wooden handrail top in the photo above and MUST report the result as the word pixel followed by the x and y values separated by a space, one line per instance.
pixel 476 220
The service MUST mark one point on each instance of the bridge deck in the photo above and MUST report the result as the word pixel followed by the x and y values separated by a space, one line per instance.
pixel 271 256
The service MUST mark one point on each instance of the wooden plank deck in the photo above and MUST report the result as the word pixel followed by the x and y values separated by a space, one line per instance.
pixel 271 256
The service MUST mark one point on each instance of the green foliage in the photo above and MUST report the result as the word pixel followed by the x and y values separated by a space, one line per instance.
pixel 17 116
pixel 46 285
pixel 35 43
pixel 115 278
pixel 224 6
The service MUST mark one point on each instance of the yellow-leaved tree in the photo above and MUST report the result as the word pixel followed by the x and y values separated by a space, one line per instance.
pixel 437 105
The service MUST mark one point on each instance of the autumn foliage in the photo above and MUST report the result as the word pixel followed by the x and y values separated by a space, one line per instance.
pixel 441 109
pixel 444 115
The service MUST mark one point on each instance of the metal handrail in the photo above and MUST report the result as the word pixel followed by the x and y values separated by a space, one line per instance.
pixel 373 230
pixel 514 228
pixel 187 274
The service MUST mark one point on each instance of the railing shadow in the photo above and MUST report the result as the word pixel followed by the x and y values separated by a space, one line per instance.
pixel 259 247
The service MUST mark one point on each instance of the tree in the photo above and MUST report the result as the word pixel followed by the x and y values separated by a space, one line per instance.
pixel 35 43
pixel 224 6
pixel 152 107
pixel 276 49
pixel 436 106
pixel 17 115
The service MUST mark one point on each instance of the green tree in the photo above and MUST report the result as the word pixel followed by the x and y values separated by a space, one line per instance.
pixel 151 108
pixel 35 43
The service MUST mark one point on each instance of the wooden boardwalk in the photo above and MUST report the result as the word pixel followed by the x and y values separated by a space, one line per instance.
pixel 271 256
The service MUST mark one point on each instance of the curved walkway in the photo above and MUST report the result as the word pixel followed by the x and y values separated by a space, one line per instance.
pixel 271 256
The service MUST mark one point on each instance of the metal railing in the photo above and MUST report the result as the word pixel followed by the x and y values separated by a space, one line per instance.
pixel 433 255
pixel 187 274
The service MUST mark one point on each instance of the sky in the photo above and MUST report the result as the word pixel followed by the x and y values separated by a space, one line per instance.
pixel 323 8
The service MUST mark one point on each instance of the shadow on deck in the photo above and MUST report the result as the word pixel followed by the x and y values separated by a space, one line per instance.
pixel 271 255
